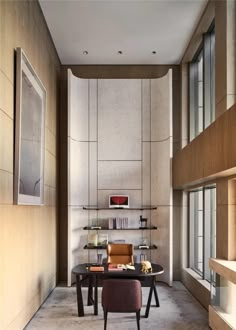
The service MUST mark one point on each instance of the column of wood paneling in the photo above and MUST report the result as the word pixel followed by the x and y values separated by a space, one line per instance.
pixel 225 55
pixel 226 222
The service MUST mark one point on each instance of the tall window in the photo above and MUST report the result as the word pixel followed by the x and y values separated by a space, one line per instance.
pixel 202 86
pixel 202 233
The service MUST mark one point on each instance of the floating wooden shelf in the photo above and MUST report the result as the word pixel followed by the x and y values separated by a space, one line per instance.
pixel 103 228
pixel 142 208
pixel 225 268
pixel 103 247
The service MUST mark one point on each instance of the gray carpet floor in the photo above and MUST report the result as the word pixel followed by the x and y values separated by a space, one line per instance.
pixel 178 310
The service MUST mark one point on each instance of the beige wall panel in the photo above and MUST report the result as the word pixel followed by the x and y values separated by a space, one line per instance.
pixel 28 234
pixel 8 29
pixel 50 142
pixel 78 194
pixel 161 101
pixel 232 232
pixel 177 216
pixel 161 237
pixel 6 95
pixel 50 196
pixel 160 173
pixel 93 175
pixel 78 237
pixel 34 240
pixel 146 109
pixel 93 109
pixel 6 149
pixel 79 103
pixel 119 175
pixel 222 228
pixel 50 170
pixel 119 119
pixel 6 187
pixel 146 173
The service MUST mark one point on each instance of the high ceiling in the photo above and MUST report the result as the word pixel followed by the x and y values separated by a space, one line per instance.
pixel 134 27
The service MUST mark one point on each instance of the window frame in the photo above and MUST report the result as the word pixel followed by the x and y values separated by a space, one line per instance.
pixel 207 51
pixel 208 234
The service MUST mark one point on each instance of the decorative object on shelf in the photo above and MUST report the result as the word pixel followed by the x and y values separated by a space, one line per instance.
pixel 146 266
pixel 102 240
pixel 143 222
pixel 92 240
pixel 30 107
pixel 144 244
pixel 143 257
pixel 118 223
pixel 118 201
pixel 99 258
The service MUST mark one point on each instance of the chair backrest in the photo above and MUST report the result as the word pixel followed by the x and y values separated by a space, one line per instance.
pixel 121 295
pixel 120 253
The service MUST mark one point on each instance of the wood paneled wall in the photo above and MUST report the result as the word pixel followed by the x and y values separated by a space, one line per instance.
pixel 211 155
pixel 28 243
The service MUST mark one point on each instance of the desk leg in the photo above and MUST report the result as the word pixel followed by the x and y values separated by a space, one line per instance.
pixel 156 296
pixel 80 304
pixel 150 297
pixel 90 291
pixel 96 295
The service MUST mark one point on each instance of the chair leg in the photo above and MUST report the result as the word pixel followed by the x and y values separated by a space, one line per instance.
pixel 138 319
pixel 105 319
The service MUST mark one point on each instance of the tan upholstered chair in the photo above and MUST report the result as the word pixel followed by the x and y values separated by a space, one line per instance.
pixel 120 253
pixel 121 296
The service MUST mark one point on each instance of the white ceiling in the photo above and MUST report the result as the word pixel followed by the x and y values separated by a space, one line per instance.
pixel 135 27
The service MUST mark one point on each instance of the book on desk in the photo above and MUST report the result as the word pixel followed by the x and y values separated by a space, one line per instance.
pixel 96 269
pixel 120 267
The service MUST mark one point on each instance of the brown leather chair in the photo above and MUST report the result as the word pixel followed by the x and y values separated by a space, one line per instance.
pixel 120 253
pixel 121 296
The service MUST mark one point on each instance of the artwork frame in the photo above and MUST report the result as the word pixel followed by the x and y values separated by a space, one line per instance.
pixel 30 108
pixel 119 201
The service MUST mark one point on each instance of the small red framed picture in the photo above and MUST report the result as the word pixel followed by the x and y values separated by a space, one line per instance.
pixel 119 201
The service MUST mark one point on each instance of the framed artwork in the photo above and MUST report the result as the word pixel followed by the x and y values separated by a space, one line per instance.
pixel 119 201
pixel 30 104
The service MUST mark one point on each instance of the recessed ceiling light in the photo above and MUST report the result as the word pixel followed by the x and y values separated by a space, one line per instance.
pixel 154 52
pixel 120 52
pixel 85 52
